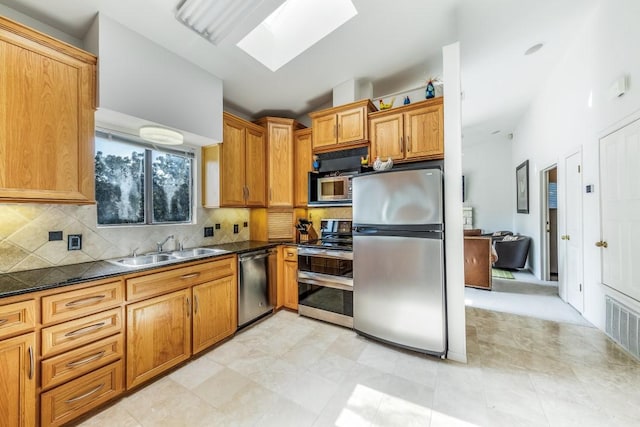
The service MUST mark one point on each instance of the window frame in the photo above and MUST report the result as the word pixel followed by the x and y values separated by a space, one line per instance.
pixel 186 152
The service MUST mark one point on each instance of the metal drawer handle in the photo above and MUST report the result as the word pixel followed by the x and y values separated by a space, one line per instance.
pixel 85 301
pixel 86 330
pixel 3 321
pixel 86 360
pixel 87 394
pixel 189 276
pixel 31 363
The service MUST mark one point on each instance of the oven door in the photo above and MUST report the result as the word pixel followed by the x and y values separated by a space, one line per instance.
pixel 325 285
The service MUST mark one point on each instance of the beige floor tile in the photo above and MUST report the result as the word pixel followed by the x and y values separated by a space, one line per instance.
pixel 196 372
pixel 115 415
pixel 399 412
pixel 222 387
pixel 287 413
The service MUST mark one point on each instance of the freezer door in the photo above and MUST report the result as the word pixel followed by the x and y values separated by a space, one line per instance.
pixel 398 197
pixel 398 291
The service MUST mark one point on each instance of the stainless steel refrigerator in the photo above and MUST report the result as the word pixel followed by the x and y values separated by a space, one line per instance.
pixel 398 258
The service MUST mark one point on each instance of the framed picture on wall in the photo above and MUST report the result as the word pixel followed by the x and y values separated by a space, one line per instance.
pixel 522 187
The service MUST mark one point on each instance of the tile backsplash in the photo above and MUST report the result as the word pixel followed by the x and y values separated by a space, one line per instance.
pixel 25 245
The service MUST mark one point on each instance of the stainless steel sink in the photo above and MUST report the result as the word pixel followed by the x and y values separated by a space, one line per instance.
pixel 197 252
pixel 165 258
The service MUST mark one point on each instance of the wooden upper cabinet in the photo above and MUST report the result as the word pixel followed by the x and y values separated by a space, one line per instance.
pixel 346 124
pixel 47 122
pixel 302 166
pixel 242 163
pixel 280 160
pixel 413 132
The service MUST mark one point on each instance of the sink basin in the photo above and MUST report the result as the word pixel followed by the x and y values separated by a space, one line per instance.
pixel 144 260
pixel 196 252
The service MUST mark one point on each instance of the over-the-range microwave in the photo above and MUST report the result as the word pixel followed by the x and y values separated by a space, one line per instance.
pixel 330 190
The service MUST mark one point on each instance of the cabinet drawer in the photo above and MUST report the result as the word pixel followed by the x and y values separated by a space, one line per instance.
pixel 290 254
pixel 75 333
pixel 166 281
pixel 70 305
pixel 17 318
pixel 75 363
pixel 62 404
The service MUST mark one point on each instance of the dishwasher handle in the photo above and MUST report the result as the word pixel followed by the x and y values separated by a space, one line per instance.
pixel 253 255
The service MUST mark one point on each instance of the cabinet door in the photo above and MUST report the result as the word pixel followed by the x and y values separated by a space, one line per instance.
pixel 158 335
pixel 303 160
pixel 387 138
pixel 424 132
pixel 232 164
pixel 47 124
pixel 324 130
pixel 256 161
pixel 352 125
pixel 290 283
pixel 215 314
pixel 280 165
pixel 18 379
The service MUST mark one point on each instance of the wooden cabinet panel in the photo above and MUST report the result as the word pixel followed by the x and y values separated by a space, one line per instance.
pixel 290 276
pixel 69 305
pixel 387 137
pixel 302 167
pixel 75 333
pixel 324 130
pixel 17 318
pixel 47 125
pixel 352 125
pixel 63 404
pixel 232 164
pixel 18 380
pixel 158 335
pixel 346 124
pixel 409 133
pixel 424 131
pixel 280 163
pixel 215 315
pixel 178 278
pixel 72 364
pixel 256 165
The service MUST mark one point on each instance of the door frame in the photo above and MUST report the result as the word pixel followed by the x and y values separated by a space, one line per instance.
pixel 545 251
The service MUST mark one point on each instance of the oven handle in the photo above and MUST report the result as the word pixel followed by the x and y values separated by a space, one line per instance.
pixel 319 279
pixel 325 253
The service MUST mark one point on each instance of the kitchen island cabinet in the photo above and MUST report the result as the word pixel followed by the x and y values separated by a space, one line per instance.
pixel 47 125
pixel 409 133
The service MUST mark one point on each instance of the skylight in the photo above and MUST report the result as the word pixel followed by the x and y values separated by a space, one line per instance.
pixel 293 28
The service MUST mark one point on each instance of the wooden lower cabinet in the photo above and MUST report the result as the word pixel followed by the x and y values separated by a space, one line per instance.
pixel 158 335
pixel 18 381
pixel 215 315
pixel 64 403
pixel 290 277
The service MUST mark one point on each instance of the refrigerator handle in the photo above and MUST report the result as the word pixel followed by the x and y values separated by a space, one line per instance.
pixel 365 230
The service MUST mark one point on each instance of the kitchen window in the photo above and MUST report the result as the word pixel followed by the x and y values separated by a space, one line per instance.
pixel 137 184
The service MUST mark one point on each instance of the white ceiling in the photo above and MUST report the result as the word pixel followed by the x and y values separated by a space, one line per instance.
pixel 395 45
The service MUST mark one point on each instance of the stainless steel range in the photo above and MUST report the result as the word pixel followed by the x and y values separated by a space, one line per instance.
pixel 325 274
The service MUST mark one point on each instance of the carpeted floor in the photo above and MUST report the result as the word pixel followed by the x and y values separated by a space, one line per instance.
pixel 527 296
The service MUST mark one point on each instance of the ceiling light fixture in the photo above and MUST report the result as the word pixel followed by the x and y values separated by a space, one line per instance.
pixel 533 49
pixel 160 135
pixel 214 20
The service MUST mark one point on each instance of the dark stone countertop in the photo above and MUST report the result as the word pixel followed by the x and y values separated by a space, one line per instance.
pixel 23 282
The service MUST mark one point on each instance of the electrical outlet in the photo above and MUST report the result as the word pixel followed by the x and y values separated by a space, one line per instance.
pixel 55 235
pixel 74 242
pixel 236 229
pixel 217 226
pixel 245 224
pixel 208 232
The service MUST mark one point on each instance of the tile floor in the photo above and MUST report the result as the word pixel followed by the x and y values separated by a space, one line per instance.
pixel 293 371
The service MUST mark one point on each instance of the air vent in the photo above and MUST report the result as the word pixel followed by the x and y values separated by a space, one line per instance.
pixel 622 325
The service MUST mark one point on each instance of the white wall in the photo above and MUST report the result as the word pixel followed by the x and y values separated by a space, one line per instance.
pixel 143 80
pixel 489 177
pixel 562 120
pixel 40 26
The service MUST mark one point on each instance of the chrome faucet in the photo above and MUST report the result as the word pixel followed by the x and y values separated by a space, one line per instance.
pixel 163 242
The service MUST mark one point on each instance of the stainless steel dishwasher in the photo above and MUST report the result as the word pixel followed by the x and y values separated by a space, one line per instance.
pixel 253 286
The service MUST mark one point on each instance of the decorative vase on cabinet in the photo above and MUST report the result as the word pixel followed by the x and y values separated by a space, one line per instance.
pixel 431 90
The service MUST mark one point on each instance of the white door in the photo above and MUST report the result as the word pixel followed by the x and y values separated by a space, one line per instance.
pixel 572 237
pixel 620 204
